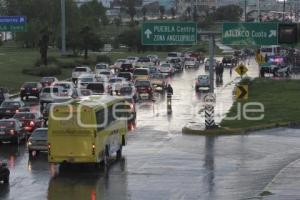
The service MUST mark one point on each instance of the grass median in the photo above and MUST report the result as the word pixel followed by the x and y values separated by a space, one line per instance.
pixel 279 100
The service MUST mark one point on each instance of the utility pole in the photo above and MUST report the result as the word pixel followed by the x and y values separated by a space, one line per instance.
pixel 211 62
pixel 63 26
pixel 283 13
pixel 258 11
pixel 245 10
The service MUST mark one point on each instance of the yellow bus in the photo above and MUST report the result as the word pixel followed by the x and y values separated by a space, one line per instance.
pixel 88 130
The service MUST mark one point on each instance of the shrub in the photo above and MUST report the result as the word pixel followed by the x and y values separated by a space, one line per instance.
pixel 50 70
pixel 66 63
pixel 103 58
pixel 39 62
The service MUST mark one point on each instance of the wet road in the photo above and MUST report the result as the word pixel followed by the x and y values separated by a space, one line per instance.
pixel 161 163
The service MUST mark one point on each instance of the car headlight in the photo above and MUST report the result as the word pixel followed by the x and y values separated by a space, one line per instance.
pixel 29 143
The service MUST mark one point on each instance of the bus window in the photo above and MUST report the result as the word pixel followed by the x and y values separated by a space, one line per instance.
pixel 101 119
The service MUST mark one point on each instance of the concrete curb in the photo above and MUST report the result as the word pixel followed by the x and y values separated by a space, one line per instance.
pixel 225 131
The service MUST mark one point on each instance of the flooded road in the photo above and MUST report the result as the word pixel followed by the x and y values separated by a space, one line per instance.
pixel 159 162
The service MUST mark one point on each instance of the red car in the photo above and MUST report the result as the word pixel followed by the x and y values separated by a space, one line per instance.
pixel 30 120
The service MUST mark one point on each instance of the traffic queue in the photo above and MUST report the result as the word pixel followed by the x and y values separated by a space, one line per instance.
pixel 91 91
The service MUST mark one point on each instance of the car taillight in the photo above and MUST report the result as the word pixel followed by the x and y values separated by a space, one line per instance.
pixel 31 123
pixel 17 111
pixel 12 132
pixel 34 89
pixel 93 149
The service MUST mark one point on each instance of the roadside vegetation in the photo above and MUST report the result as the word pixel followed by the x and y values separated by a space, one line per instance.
pixel 280 99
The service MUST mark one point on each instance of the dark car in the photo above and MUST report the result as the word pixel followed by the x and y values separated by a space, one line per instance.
pixel 47 81
pixel 98 88
pixel 38 141
pixel 9 108
pixel 30 89
pixel 127 75
pixel 227 61
pixel 11 130
pixel 4 172
pixel 144 89
pixel 4 95
pixel 30 120
pixel 127 67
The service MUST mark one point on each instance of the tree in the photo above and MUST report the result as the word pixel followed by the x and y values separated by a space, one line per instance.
pixel 144 11
pixel 173 12
pixel 188 12
pixel 131 38
pixel 93 14
pixel 162 11
pixel 195 14
pixel 129 6
pixel 90 40
pixel 43 45
pixel 229 13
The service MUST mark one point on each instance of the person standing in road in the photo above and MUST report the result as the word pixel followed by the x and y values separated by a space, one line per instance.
pixel 169 90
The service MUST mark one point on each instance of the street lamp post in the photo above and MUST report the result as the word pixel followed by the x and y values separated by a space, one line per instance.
pixel 63 26
pixel 283 13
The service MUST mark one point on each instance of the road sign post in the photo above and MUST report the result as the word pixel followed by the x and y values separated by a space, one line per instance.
pixel 169 33
pixel 250 33
pixel 241 70
pixel 242 92
pixel 209 101
pixel 13 23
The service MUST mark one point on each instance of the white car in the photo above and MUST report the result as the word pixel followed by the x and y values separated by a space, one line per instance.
pixel 166 68
pixel 101 67
pixel 143 61
pixel 85 79
pixel 154 58
pixel 106 73
pixel 69 88
pixel 173 55
pixel 51 94
pixel 78 71
pixel 115 84
pixel 191 63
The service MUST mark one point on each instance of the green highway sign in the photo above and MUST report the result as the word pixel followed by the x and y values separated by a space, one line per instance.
pixel 250 33
pixel 169 33
pixel 13 23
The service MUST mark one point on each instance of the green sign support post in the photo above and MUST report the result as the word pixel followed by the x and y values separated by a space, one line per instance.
pixel 250 33
pixel 169 33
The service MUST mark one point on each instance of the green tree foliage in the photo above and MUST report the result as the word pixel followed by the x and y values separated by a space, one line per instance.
pixel 173 12
pixel 131 38
pixel 229 13
pixel 162 11
pixel 129 7
pixel 46 15
pixel 144 11
pixel 90 40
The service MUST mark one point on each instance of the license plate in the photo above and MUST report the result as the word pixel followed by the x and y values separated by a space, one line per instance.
pixel 2 132
pixel 7 111
pixel 144 96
